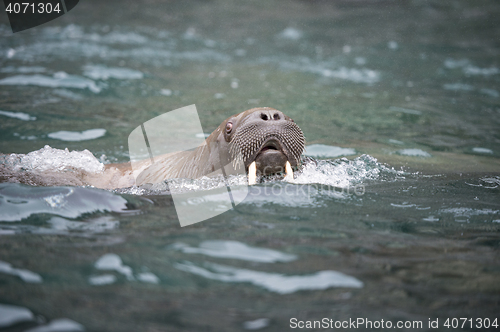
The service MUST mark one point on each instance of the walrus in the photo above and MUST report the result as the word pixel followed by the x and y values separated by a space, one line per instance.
pixel 260 140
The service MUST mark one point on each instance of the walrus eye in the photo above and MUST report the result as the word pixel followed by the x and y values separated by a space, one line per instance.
pixel 229 127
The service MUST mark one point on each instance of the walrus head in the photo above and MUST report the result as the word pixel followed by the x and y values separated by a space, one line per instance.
pixel 258 141
pixel 266 137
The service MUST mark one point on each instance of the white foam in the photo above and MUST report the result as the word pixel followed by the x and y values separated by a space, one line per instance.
pixel 236 250
pixel 25 275
pixel 256 324
pixel 76 136
pixel 166 92
pixel 104 279
pixel 327 151
pixel 494 181
pixel 50 159
pixel 414 153
pixel 179 186
pixel 59 325
pixel 342 173
pixel 286 194
pixel 273 282
pixel 467 212
pixel 338 179
pixel 291 33
pixel 11 314
pixel 59 80
pixel 473 70
pixel 18 115
pixel 482 150
pixel 101 72
pixel 114 262
pixel 148 277
pixel 404 205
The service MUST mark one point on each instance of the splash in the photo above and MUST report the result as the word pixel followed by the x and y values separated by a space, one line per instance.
pixel 339 173
pixel 343 172
pixel 50 159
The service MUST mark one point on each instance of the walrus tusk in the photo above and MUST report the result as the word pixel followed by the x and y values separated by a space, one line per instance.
pixel 252 174
pixel 288 172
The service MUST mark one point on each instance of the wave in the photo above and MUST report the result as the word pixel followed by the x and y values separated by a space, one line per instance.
pixel 76 167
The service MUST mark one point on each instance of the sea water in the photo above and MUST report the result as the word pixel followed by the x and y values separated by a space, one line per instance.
pixel 394 214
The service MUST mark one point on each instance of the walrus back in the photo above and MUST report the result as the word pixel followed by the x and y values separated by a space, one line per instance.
pixel 183 164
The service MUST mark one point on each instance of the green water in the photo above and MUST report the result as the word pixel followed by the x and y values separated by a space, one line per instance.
pixel 414 84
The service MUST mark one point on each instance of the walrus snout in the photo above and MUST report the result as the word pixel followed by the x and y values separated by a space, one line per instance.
pixel 270 162
pixel 265 128
pixel 266 140
pixel 270 159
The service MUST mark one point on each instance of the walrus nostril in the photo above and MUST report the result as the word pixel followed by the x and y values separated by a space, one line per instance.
pixel 263 116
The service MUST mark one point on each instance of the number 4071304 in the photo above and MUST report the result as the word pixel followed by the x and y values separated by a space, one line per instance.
pixel 32 8
pixel 471 323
